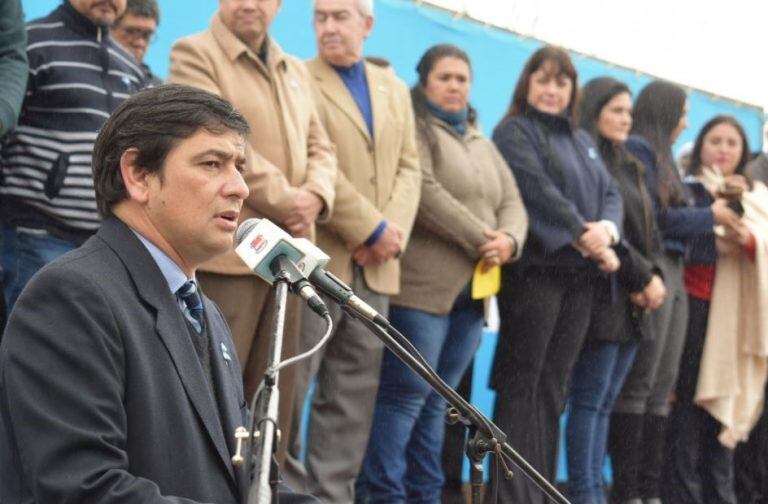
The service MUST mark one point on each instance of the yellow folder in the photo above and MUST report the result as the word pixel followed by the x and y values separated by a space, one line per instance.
pixel 485 283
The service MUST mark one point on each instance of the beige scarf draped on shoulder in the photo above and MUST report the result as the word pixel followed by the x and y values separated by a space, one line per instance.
pixel 734 366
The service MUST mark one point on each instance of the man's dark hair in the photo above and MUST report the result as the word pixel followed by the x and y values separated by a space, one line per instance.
pixel 153 122
pixel 143 8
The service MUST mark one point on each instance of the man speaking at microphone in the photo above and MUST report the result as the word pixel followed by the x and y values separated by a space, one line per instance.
pixel 118 379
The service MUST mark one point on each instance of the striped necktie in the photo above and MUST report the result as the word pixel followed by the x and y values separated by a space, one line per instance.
pixel 191 305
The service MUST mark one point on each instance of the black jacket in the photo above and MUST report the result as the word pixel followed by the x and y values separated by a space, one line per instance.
pixel 614 316
pixel 102 396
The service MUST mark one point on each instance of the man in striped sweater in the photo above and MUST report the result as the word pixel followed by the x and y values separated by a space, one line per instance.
pixel 77 76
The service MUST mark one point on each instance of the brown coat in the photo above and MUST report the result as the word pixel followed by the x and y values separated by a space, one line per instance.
pixel 287 148
pixel 470 190
pixel 378 179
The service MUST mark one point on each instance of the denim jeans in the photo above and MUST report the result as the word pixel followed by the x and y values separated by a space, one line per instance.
pixel 402 462
pixel 596 381
pixel 24 251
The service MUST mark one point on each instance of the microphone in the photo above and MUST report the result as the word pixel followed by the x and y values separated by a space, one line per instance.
pixel 333 287
pixel 309 260
pixel 273 254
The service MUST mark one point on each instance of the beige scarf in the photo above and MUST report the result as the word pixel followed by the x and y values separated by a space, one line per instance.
pixel 734 366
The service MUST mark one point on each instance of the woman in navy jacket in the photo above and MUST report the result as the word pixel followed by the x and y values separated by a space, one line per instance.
pixel 638 422
pixel 574 209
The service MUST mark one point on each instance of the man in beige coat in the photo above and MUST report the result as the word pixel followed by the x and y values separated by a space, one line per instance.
pixel 291 168
pixel 367 112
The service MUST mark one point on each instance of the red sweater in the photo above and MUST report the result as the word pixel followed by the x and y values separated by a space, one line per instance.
pixel 699 278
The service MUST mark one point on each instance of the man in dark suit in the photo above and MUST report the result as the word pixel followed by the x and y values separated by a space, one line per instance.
pixel 119 382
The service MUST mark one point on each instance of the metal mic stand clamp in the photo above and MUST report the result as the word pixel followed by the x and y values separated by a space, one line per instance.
pixel 478 444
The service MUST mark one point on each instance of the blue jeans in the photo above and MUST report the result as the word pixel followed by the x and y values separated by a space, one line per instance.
pixel 596 381
pixel 402 462
pixel 24 251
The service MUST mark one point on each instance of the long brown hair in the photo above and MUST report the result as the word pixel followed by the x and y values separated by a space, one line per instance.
pixel 658 110
pixel 548 54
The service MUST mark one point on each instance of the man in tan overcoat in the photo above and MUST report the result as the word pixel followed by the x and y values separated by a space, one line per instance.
pixel 367 112
pixel 291 169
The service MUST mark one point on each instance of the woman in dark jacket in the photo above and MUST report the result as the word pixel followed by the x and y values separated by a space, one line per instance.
pixel 574 210
pixel 618 320
pixel 638 422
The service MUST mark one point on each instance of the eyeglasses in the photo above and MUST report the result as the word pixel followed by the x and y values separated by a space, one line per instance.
pixel 137 33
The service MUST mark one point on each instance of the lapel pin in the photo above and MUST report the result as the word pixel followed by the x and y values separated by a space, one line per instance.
pixel 225 353
pixel 293 84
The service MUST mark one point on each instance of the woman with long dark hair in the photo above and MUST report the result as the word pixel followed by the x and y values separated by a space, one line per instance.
pixel 638 422
pixel 618 320
pixel 699 467
pixel 470 212
pixel 575 211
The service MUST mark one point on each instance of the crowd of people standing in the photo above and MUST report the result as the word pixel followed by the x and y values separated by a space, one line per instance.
pixel 633 292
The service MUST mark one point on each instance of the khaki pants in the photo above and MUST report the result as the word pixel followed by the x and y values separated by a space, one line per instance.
pixel 347 371
pixel 248 304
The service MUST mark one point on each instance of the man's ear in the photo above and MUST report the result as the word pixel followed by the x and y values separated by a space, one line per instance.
pixel 135 177
pixel 368 25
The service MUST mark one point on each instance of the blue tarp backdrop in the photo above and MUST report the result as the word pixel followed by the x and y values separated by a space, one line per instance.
pixel 403 31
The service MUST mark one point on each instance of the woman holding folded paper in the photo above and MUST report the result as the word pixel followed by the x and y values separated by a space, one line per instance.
pixel 470 216
pixel 722 373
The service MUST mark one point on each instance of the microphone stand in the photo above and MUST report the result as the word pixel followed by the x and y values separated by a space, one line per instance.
pixel 263 488
pixel 484 437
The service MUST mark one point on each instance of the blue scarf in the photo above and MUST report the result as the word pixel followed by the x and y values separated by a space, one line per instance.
pixel 456 120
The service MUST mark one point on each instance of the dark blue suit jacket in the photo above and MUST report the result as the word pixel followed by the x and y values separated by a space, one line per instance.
pixel 102 396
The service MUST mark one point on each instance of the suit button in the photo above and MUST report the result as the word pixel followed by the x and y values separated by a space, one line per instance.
pixel 373 180
pixel 370 148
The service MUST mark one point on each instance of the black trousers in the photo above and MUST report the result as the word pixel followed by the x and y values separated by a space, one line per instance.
pixel 544 314
pixel 751 465
pixel 698 469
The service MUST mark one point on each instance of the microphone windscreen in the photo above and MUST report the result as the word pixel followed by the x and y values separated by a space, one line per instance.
pixel 245 228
